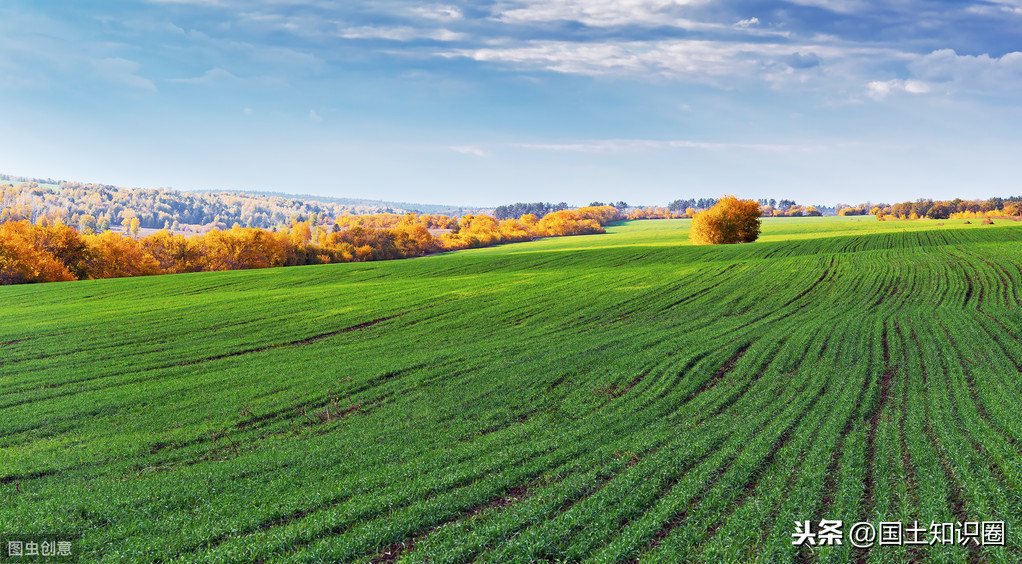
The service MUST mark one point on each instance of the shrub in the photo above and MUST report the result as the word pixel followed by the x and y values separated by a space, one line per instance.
pixel 730 221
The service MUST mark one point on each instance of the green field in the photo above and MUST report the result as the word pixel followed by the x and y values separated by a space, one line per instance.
pixel 600 398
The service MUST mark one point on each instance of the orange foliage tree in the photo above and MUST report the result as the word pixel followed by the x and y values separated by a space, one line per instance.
pixel 730 221
pixel 22 260
pixel 582 221
pixel 115 256
pixel 53 251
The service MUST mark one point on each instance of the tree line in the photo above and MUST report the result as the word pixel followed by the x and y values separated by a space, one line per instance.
pixel 50 251
pixel 674 210
pixel 938 209
pixel 539 209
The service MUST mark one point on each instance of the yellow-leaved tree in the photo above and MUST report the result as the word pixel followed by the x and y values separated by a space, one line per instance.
pixel 730 221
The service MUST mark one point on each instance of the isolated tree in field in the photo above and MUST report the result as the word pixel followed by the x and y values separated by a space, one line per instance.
pixel 729 221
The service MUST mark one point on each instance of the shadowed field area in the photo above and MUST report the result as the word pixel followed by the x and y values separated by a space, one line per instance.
pixel 606 397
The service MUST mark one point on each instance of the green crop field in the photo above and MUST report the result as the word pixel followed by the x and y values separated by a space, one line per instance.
pixel 601 398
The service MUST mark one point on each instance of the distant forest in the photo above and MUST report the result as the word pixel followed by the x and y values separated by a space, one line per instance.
pixel 100 206
pixel 676 208
pixel 538 209
pixel 940 209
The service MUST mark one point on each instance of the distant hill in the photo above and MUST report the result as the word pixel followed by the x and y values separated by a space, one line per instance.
pixel 399 207
pixel 23 198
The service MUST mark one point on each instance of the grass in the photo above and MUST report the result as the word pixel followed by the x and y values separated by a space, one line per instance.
pixel 601 398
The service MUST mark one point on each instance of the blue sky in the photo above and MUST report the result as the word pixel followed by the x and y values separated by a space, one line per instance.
pixel 491 102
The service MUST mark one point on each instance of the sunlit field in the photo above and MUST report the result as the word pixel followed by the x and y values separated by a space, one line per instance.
pixel 602 398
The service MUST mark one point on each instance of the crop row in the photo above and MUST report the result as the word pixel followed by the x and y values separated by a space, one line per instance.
pixel 604 398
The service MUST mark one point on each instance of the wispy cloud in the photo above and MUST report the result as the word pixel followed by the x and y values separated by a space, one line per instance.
pixel 469 150
pixel 638 145
pixel 996 8
pixel 722 63
pixel 697 60
pixel 591 12
pixel 603 13
pixel 212 76
pixel 438 12
pixel 124 72
pixel 839 6
pixel 193 2
pixel 400 33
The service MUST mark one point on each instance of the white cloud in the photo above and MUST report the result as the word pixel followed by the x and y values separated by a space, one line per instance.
pixel 998 7
pixel 878 90
pixel 971 72
pixel 695 59
pixel 839 6
pixel 916 87
pixel 950 72
pixel 400 33
pixel 601 13
pixel 722 63
pixel 438 12
pixel 746 23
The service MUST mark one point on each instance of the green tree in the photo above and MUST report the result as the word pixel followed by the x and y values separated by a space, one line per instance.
pixel 938 210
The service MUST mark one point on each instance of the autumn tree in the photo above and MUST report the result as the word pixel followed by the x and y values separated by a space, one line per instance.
pixel 65 244
pixel 301 233
pixel 87 224
pixel 174 253
pixel 244 248
pixel 22 260
pixel 515 230
pixel 133 226
pixel 413 240
pixel 565 222
pixel 729 221
pixel 115 256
